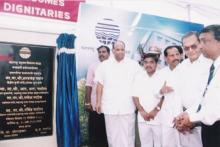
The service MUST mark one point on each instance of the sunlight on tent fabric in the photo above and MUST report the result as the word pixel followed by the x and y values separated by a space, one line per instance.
pixel 202 11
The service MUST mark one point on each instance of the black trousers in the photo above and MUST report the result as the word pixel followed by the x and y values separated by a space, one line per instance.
pixel 211 135
pixel 97 131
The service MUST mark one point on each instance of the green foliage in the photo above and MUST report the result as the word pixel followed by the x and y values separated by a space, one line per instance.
pixel 83 114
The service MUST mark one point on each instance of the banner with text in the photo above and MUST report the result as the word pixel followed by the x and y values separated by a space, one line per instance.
pixel 66 10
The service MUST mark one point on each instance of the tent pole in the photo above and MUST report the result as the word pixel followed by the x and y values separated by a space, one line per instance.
pixel 188 12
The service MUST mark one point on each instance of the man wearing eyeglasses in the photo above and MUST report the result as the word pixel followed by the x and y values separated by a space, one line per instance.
pixel 193 74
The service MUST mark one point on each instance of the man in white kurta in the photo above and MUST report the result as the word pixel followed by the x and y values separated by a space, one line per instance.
pixel 147 104
pixel 115 78
pixel 167 87
pixel 193 75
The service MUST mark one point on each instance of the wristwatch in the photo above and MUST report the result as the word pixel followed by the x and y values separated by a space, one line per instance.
pixel 87 104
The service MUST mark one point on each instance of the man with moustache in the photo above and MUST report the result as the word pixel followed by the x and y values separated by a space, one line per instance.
pixel 207 110
pixel 167 88
pixel 96 122
pixel 115 79
pixel 146 103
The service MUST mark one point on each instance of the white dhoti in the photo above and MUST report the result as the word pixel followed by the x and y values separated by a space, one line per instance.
pixel 170 137
pixel 192 138
pixel 120 130
pixel 150 135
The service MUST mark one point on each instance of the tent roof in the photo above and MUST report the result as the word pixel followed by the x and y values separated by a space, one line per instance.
pixel 203 11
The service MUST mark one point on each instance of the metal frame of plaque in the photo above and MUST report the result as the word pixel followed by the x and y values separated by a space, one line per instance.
pixel 26 90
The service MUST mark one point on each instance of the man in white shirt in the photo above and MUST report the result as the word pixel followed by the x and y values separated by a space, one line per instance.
pixel 96 122
pixel 171 106
pixel 147 104
pixel 193 75
pixel 207 111
pixel 115 79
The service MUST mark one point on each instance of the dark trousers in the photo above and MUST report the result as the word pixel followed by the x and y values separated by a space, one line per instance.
pixel 211 135
pixel 97 131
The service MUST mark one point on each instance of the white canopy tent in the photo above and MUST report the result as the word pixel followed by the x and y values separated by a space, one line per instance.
pixel 25 29
pixel 200 11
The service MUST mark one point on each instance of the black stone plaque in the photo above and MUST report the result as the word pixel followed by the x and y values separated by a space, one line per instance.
pixel 26 90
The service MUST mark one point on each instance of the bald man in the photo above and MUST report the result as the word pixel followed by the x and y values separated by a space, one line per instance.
pixel 115 78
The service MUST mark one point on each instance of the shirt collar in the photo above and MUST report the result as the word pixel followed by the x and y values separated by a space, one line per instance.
pixel 200 58
pixel 217 63
pixel 115 61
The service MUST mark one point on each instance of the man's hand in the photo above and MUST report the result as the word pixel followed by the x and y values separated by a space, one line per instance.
pixel 183 123
pixel 153 113
pixel 98 107
pixel 166 89
pixel 87 104
pixel 145 115
pixel 88 107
